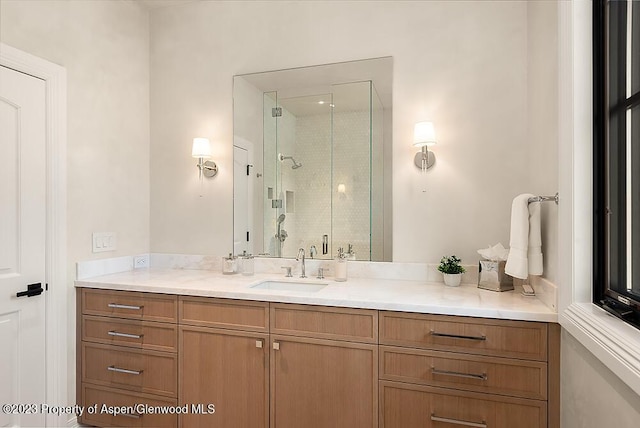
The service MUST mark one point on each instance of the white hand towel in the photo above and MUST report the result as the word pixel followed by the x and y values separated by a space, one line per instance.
pixel 525 254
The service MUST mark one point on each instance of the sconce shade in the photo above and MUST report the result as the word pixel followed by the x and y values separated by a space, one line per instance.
pixel 424 134
pixel 201 148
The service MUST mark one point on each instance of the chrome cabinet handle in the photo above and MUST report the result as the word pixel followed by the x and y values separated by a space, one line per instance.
pixel 276 346
pixel 457 336
pixel 131 336
pixel 127 371
pixel 119 306
pixel 259 344
pixel 131 415
pixel 435 418
pixel 482 376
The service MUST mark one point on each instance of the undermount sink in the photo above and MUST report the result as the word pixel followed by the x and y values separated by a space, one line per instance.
pixel 309 287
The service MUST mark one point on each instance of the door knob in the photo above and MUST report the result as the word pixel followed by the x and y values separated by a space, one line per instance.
pixel 32 290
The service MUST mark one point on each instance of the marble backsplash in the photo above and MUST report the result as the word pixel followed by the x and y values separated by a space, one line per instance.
pixel 357 269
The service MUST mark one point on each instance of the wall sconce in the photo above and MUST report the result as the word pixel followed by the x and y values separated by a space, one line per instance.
pixel 423 136
pixel 202 150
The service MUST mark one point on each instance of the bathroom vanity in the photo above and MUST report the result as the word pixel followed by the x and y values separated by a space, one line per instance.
pixel 365 353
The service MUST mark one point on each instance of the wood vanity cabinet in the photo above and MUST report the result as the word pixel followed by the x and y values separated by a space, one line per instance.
pixel 127 356
pixel 445 371
pixel 324 367
pixel 224 361
pixel 282 365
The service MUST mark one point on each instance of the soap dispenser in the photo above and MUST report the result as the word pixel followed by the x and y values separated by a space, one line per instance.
pixel 229 265
pixel 246 263
pixel 341 266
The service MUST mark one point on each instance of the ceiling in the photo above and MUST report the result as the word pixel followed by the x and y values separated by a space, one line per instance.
pixel 157 4
pixel 326 78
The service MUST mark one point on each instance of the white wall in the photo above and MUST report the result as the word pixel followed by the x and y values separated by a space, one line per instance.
pixel 542 126
pixel 104 46
pixel 592 396
pixel 461 64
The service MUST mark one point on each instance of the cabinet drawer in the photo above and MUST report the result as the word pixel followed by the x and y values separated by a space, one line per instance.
pixel 511 339
pixel 518 378
pixel 132 305
pixel 136 408
pixel 221 313
pixel 403 405
pixel 150 372
pixel 131 333
pixel 359 325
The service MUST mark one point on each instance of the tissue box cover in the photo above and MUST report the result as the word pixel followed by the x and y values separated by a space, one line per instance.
pixel 491 276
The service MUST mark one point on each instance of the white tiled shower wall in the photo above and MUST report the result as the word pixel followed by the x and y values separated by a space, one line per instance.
pixel 344 217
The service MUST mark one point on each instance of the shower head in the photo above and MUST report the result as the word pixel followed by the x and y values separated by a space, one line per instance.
pixel 281 218
pixel 282 158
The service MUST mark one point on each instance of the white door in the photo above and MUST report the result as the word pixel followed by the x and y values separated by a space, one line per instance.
pixel 22 247
pixel 241 201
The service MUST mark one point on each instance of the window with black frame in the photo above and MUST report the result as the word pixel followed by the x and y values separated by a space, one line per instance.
pixel 616 94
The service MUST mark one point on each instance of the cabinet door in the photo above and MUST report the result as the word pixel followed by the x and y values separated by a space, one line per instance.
pixel 323 383
pixel 225 368
pixel 405 405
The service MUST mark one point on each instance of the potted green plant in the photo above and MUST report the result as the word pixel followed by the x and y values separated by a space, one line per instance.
pixel 451 270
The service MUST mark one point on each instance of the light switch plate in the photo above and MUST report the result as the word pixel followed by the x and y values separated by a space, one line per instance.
pixel 103 241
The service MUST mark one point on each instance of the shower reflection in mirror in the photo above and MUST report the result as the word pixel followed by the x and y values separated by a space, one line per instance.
pixel 312 138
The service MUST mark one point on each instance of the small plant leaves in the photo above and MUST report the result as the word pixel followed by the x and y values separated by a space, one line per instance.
pixel 450 265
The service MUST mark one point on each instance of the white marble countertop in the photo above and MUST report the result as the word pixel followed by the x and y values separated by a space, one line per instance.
pixel 383 294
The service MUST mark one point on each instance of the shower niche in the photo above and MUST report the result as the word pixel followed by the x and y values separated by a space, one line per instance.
pixel 314 146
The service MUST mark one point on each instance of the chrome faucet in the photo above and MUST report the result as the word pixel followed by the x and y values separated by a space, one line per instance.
pixel 301 254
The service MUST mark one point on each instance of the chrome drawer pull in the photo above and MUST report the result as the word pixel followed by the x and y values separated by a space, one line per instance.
pixel 119 306
pixel 456 336
pixel 119 370
pixel 435 418
pixel 482 376
pixel 131 336
pixel 131 415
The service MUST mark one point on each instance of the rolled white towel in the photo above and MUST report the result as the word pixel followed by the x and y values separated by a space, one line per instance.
pixel 525 254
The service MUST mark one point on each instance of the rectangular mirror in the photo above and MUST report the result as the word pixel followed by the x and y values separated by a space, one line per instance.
pixel 312 160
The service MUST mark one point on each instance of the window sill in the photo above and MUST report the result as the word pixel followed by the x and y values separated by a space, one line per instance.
pixel 615 343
